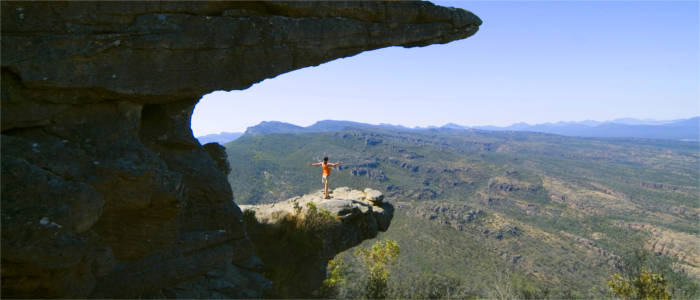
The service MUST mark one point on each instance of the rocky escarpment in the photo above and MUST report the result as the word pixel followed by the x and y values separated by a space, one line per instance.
pixel 296 238
pixel 105 192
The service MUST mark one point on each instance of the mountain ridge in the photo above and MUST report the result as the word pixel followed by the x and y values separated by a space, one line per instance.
pixel 679 129
pixel 221 137
pixel 268 127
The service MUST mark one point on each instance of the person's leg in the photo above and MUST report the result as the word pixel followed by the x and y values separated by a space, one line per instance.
pixel 325 187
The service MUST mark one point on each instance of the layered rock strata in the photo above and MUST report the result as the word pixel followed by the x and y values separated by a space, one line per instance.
pixel 296 238
pixel 105 192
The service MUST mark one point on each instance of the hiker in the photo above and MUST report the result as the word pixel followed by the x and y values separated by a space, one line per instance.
pixel 326 167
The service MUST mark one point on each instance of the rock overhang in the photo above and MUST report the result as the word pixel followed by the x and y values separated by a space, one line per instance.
pixel 146 52
pixel 96 106
pixel 307 231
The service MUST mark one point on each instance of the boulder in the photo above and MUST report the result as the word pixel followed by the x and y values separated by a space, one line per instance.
pixel 374 196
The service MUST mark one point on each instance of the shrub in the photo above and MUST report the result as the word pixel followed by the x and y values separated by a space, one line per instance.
pixel 646 285
pixel 642 277
pixel 376 259
pixel 335 278
pixel 249 217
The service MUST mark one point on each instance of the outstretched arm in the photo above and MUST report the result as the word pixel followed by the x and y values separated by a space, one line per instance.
pixel 315 164
pixel 335 164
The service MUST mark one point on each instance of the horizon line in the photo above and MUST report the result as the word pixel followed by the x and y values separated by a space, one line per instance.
pixel 466 126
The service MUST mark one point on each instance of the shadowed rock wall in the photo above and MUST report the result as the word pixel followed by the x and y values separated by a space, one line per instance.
pixel 105 192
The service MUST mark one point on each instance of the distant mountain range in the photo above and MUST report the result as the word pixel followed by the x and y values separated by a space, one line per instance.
pixel 221 138
pixel 681 129
pixel 268 127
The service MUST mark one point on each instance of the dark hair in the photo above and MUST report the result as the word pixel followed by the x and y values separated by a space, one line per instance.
pixel 325 158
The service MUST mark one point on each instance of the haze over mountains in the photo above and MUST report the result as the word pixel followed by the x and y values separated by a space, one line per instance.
pixel 679 129
pixel 221 138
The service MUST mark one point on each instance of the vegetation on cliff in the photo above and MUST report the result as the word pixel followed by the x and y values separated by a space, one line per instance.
pixel 376 261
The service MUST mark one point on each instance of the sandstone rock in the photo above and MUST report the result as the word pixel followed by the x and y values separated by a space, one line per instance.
pixel 374 196
pixel 221 283
pixel 218 153
pixel 345 209
pixel 138 49
pixel 299 236
pixel 383 212
pixel 96 141
pixel 194 254
pixel 253 263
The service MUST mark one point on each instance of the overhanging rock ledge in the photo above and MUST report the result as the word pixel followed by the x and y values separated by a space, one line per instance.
pixel 105 192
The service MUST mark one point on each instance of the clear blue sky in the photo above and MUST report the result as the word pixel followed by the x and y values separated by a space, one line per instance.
pixel 531 62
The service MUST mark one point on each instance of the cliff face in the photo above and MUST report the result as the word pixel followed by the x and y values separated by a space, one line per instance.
pixel 105 192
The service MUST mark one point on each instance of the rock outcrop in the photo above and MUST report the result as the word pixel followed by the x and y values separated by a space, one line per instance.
pixel 296 238
pixel 105 192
